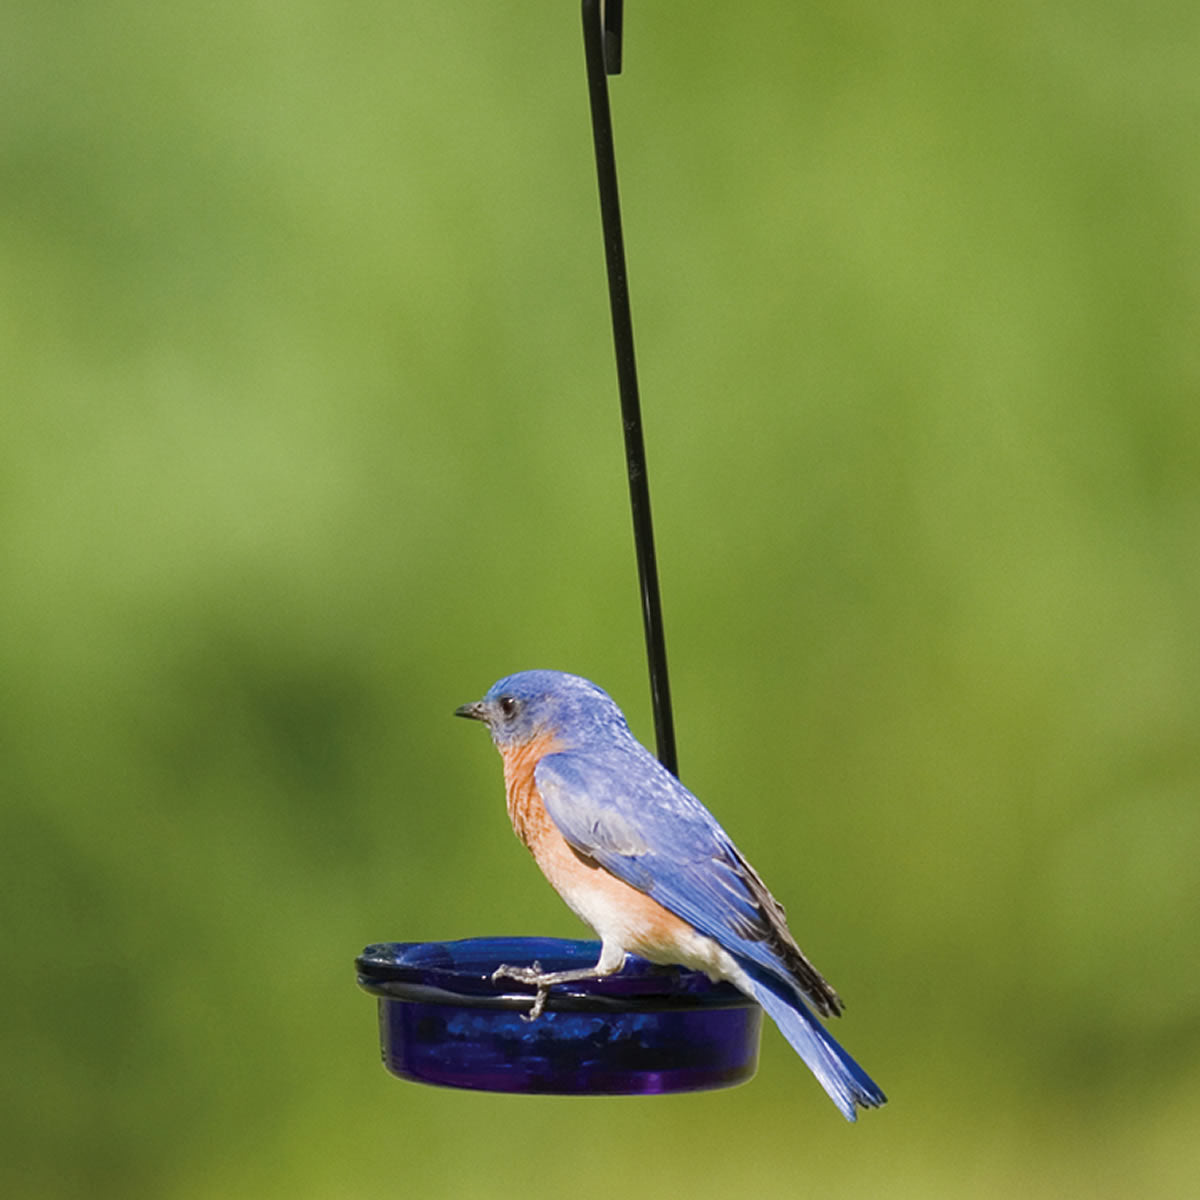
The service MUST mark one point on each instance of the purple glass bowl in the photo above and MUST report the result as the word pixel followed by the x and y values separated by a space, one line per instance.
pixel 646 1030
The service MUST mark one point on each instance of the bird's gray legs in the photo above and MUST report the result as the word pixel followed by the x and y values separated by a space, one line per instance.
pixel 612 958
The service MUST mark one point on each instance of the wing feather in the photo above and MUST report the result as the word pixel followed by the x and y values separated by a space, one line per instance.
pixel 623 809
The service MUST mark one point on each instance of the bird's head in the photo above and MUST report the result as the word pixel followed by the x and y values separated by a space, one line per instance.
pixel 535 704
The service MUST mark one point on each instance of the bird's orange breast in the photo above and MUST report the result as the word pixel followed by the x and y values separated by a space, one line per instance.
pixel 526 811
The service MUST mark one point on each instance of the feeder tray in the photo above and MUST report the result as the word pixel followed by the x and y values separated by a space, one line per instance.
pixel 646 1030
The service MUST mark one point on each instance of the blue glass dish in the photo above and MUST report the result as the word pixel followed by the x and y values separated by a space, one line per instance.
pixel 647 1029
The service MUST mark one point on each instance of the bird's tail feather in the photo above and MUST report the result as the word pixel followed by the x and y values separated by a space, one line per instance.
pixel 848 1085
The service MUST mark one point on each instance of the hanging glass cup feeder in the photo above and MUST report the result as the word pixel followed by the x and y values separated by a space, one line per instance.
pixel 443 1018
pixel 645 1030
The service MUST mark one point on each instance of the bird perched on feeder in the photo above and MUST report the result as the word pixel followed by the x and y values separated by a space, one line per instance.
pixel 638 858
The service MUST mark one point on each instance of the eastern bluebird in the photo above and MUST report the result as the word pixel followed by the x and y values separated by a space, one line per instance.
pixel 638 858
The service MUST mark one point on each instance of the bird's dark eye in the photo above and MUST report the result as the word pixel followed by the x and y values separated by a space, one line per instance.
pixel 508 706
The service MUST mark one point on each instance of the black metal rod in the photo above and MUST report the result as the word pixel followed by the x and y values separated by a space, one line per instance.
pixel 599 28
pixel 613 17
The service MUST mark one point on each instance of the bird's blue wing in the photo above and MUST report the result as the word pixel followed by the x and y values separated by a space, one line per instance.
pixel 623 809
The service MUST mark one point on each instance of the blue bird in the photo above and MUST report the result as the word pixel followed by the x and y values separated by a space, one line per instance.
pixel 638 858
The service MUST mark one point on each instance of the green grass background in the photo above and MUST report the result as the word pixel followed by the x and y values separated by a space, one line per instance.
pixel 309 432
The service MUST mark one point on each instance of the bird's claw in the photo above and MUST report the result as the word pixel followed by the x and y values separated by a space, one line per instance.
pixel 529 975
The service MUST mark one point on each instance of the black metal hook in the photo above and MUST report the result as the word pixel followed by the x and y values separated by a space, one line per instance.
pixel 612 17
pixel 602 24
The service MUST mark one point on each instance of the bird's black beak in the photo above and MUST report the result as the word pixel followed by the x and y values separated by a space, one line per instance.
pixel 475 711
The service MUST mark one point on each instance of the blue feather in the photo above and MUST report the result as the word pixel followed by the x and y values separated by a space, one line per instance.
pixel 848 1085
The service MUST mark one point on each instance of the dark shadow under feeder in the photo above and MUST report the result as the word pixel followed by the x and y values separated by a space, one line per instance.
pixel 646 1030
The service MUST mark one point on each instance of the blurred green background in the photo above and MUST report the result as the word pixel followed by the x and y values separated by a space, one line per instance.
pixel 310 432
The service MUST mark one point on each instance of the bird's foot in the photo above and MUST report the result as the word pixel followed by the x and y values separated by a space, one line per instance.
pixel 544 980
pixel 533 976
